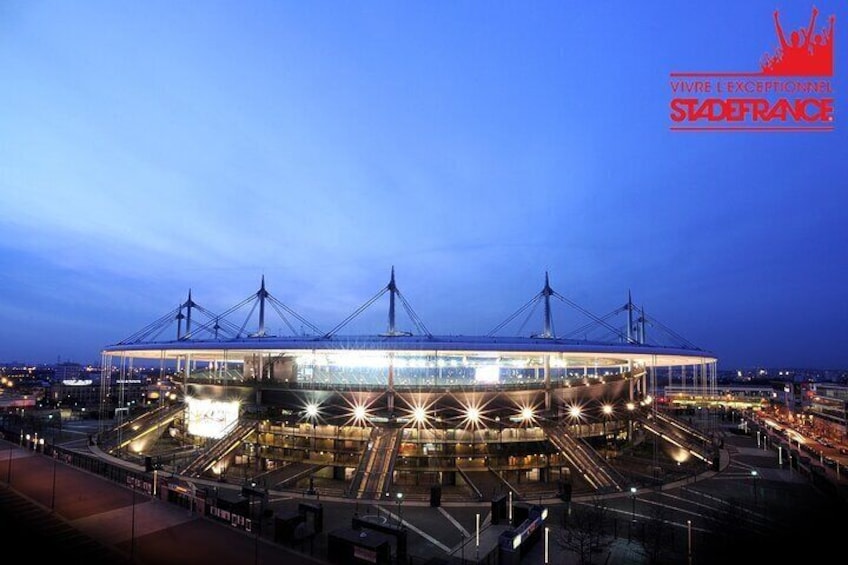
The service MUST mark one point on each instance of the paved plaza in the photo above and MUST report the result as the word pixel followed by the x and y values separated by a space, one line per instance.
pixel 763 508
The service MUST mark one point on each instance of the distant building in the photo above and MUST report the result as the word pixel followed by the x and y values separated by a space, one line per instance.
pixel 67 372
pixel 827 404
pixel 735 394
pixel 82 390
pixel 23 386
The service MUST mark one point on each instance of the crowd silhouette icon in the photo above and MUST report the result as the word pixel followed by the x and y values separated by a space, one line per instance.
pixel 807 52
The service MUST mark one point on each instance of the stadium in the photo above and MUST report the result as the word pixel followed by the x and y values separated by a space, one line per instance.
pixel 364 416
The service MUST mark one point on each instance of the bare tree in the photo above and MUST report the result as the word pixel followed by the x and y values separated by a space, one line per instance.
pixel 585 530
pixel 656 536
pixel 732 531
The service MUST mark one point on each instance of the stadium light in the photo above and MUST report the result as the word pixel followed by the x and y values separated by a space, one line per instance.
pixel 312 410
pixel 419 414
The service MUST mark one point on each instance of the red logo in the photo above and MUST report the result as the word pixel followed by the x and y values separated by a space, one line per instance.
pixel 792 91
pixel 807 53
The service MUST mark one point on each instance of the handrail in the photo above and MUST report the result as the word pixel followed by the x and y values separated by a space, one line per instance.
pixel 390 472
pixel 683 426
pixel 506 482
pixel 359 474
pixel 151 420
pixel 470 483
pixel 585 459
pixel 229 441
pixel 702 452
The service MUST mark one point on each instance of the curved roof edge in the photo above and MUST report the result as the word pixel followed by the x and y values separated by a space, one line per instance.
pixel 412 343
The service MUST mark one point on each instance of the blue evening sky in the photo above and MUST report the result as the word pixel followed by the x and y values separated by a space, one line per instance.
pixel 151 147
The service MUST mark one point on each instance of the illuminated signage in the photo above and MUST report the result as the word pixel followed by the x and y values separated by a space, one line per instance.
pixel 211 418
pixel 77 382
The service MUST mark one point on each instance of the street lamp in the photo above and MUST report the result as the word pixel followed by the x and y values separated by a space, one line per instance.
pixel 477 534
pixel 607 410
pixel 399 497
pixel 633 503
pixel 132 527
pixel 9 467
pixel 574 412
pixel 754 475
pixel 53 493
pixel 500 432
pixel 630 408
pixel 689 544
pixel 312 414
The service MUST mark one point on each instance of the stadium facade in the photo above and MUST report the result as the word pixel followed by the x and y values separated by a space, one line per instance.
pixel 362 416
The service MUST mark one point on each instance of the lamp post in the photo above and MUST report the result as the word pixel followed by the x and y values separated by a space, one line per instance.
pixel 132 528
pixel 607 410
pixel 500 432
pixel 399 497
pixel 312 414
pixel 477 537
pixel 754 475
pixel 689 545
pixel 53 492
pixel 574 413
pixel 633 504
pixel 314 438
pixel 9 467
